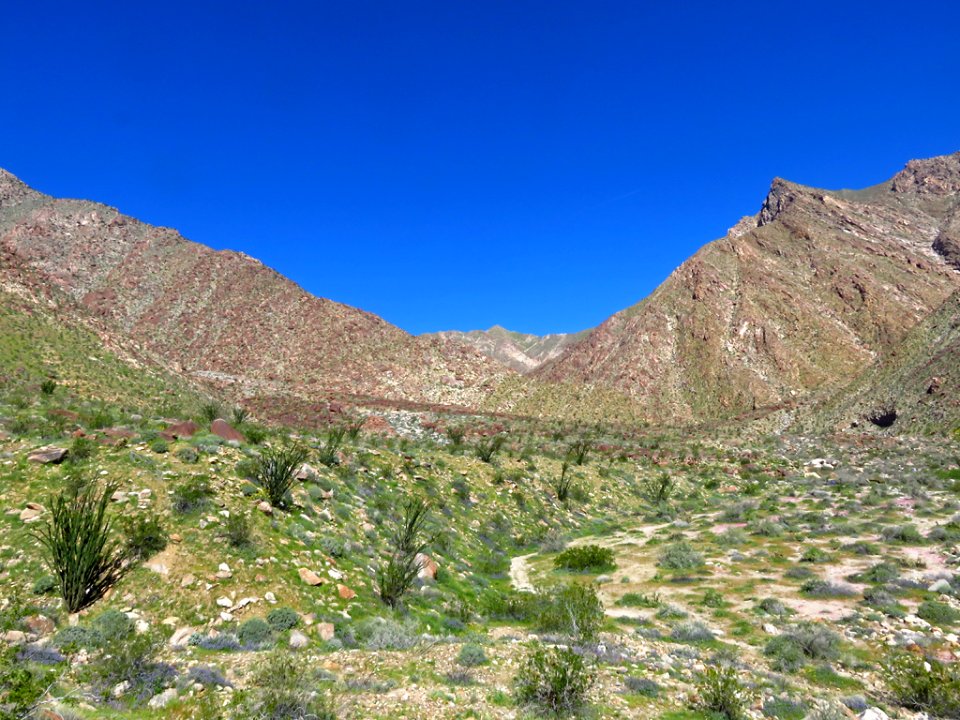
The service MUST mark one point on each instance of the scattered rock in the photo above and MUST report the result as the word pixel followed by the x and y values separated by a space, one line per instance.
pixel 310 577
pixel 163 699
pixel 326 631
pixel 48 454
pixel 940 586
pixel 298 639
pixel 265 507
pixel 306 472
pixel 873 714
pixel 15 637
pixel 40 624
pixel 428 567
pixel 179 639
pixel 345 593
pixel 31 512
pixel 187 581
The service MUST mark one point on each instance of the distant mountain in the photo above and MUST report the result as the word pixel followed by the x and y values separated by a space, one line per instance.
pixel 796 300
pixel 520 351
pixel 225 316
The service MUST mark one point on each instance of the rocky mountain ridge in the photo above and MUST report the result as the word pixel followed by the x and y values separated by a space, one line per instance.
pixel 523 352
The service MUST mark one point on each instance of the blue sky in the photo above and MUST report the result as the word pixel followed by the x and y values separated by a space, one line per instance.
pixel 539 165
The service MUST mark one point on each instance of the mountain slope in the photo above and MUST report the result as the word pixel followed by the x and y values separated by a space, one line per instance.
pixel 916 388
pixel 224 315
pixel 520 351
pixel 800 298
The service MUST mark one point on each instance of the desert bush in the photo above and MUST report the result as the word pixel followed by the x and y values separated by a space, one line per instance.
pixel 81 448
pixel 907 534
pixel 192 495
pixel 642 686
pixel 159 446
pixel 145 536
pixel 113 625
pixel 882 572
pixel 44 585
pixel 398 571
pixel 455 434
pixel 239 415
pixel 328 451
pixel 237 531
pixel 227 642
pixel 555 681
pixel 680 556
pixel 578 451
pixel 255 633
pixel 924 684
pixel 692 631
pixel 22 688
pixel 283 618
pixel 563 484
pixel 659 489
pixel 472 655
pixel 206 676
pixel 188 455
pixel 805 641
pixel 573 609
pixel 585 558
pixel 640 600
pixel 210 411
pixel 814 555
pixel 275 469
pixel 719 691
pixel 772 606
pixel 818 588
pixel 130 662
pixel 77 637
pixel 48 386
pixel 376 633
pixel 281 691
pixel 487 448
pixel 78 546
pixel 937 613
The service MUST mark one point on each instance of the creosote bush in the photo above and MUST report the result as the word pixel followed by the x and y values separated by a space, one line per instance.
pixel 274 471
pixel 554 681
pixel 923 684
pixel 145 537
pixel 280 690
pixel 680 556
pixel 487 448
pixel 585 558
pixel 719 691
pixel 79 548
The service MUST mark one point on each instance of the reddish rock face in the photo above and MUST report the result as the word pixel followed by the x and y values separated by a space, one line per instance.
pixel 221 428
pixel 183 429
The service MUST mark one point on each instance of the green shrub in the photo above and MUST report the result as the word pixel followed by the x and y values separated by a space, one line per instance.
pixel 907 534
pixel 487 448
pixel 281 690
pixel 255 633
pixel 239 415
pixel 78 547
pixel 472 655
pixel 585 558
pixel 720 691
pixel 555 681
pixel 328 452
pixel 578 451
pixel 283 618
pixel 563 484
pixel 573 610
pixel 145 536
pixel 188 455
pixel 237 531
pixel 680 556
pixel 48 386
pixel 805 641
pixel 81 448
pixel 113 625
pixel 924 684
pixel 22 687
pixel 275 469
pixel 937 613
pixel 77 637
pixel 455 435
pixel 211 411
pixel 44 585
pixel 159 446
pixel 192 495
pixel 131 663
pixel 640 600
pixel 255 434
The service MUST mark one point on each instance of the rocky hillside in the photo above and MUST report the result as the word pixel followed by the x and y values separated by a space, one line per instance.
pixel 800 298
pixel 916 388
pixel 519 351
pixel 224 316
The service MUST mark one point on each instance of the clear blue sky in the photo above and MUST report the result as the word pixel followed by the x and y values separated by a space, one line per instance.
pixel 458 164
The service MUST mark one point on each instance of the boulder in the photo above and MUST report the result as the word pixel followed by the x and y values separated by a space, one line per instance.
pixel 222 428
pixel 183 429
pixel 265 507
pixel 306 472
pixel 873 714
pixel 345 593
pixel 48 454
pixel 31 512
pixel 39 624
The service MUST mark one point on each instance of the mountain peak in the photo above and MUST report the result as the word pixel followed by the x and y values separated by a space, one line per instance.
pixel 933 176
pixel 12 188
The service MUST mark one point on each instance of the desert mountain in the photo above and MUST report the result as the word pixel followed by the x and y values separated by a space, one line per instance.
pixel 521 351
pixel 224 316
pixel 800 298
